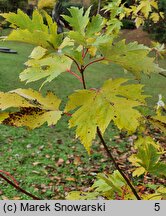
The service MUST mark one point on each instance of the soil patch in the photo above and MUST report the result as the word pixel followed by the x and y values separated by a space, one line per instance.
pixel 136 35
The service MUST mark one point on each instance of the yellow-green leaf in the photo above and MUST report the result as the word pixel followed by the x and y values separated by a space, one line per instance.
pixel 10 99
pixel 38 52
pixel 3 116
pixel 48 66
pixel 155 17
pixel 139 21
pixel 133 57
pixel 33 30
pixel 78 20
pixel 46 4
pixel 34 109
pixel 138 171
pixel 32 118
pixel 147 158
pixel 50 102
pixel 158 122
pixel 113 102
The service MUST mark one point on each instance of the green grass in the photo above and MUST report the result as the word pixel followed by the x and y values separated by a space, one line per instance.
pixel 32 156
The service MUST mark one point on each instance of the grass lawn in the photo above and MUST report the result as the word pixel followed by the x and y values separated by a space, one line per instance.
pixel 49 161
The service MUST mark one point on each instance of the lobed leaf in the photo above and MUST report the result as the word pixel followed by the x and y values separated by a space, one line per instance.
pixel 147 158
pixel 78 20
pixel 158 122
pixel 33 109
pixel 113 102
pixel 133 57
pixel 10 99
pixel 33 30
pixel 42 65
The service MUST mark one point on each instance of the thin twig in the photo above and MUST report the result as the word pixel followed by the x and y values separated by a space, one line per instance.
pixel 83 77
pixel 74 74
pixel 116 165
pixel 92 62
pixel 74 61
pixel 10 176
pixel 84 54
pixel 19 188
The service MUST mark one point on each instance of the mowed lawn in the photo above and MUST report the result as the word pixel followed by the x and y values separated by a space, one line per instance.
pixel 49 161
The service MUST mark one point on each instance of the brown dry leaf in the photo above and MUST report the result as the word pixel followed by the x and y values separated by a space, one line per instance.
pixel 16 198
pixel 4 198
pixel 36 163
pixel 60 162
pixel 41 147
pixel 52 178
pixel 67 162
pixel 42 185
pixel 70 179
pixel 47 156
pixel 77 160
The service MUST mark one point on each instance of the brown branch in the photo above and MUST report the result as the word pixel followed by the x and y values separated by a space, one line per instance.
pixel 83 77
pixel 19 188
pixel 116 165
pixel 84 53
pixel 74 74
pixel 92 62
pixel 74 61
pixel 10 176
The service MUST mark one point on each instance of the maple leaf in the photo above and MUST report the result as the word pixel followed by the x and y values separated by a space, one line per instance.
pixel 144 7
pixel 133 57
pixel 155 17
pixel 158 122
pixel 10 99
pixel 33 31
pixel 94 26
pixel 139 21
pixel 86 32
pixel 78 20
pixel 34 109
pixel 42 65
pixel 113 101
pixel 3 116
pixel 147 158
pixel 46 4
pixel 114 26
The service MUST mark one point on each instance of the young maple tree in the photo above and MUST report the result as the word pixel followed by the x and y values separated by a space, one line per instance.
pixel 91 40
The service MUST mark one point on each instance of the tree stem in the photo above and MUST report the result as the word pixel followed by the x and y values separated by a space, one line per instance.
pixel 81 70
pixel 106 148
pixel 116 165
pixel 83 77
pixel 19 188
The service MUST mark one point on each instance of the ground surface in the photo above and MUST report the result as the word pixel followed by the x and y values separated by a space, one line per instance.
pixel 136 35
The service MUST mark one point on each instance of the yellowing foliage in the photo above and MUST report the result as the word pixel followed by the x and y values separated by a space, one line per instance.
pixel 43 4
pixel 33 109
pixel 33 31
pixel 113 102
pixel 42 65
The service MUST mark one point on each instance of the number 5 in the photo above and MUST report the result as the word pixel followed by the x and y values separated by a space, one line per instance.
pixel 157 207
